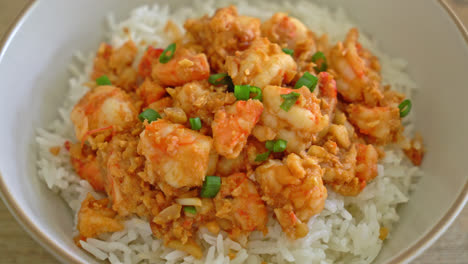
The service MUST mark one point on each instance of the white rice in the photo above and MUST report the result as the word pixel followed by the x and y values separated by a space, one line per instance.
pixel 347 231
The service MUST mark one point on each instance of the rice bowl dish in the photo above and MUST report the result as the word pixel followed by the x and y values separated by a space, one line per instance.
pixel 348 230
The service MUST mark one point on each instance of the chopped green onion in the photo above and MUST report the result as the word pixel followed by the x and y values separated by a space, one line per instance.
pixel 164 57
pixel 280 145
pixel 262 157
pixel 308 80
pixel 258 91
pixel 288 51
pixel 218 79
pixel 150 115
pixel 269 144
pixel 210 187
pixel 242 92
pixel 289 100
pixel 195 123
pixel 405 107
pixel 320 56
pixel 103 80
pixel 190 209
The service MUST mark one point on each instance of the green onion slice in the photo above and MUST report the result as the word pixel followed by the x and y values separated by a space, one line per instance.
pixel 222 79
pixel 289 100
pixel 103 80
pixel 195 123
pixel 280 145
pixel 258 91
pixel 210 187
pixel 165 58
pixel 269 144
pixel 242 92
pixel 308 80
pixel 218 79
pixel 288 51
pixel 150 115
pixel 316 58
pixel 190 209
pixel 405 107
pixel 262 157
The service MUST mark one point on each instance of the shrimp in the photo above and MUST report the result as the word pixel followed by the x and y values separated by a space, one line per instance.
pixel 366 162
pixel 116 64
pixel 198 99
pixel 263 63
pixel 95 218
pixel 233 125
pixel 347 171
pixel 122 166
pixel 184 67
pixel 145 66
pixel 381 124
pixel 300 125
pixel 86 166
pixel 169 150
pixel 223 34
pixel 284 30
pixel 327 94
pixel 150 91
pixel 239 203
pixel 357 71
pixel 294 188
pixel 244 162
pixel 104 107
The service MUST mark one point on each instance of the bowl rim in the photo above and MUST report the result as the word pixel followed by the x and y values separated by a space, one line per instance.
pixel 52 247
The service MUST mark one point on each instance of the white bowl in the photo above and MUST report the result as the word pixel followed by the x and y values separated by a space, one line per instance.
pixel 34 59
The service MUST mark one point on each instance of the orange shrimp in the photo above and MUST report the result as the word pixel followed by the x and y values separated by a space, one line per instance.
pixel 233 125
pixel 184 67
pixel 170 149
pixel 100 109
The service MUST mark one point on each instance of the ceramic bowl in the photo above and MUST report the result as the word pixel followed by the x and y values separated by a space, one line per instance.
pixel 33 72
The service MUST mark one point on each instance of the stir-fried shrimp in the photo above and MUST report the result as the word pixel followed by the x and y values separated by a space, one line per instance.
pixel 210 132
pixel 122 165
pixel 338 164
pixel 198 99
pixel 380 123
pixel 263 63
pixel 346 170
pixel 294 188
pixel 244 162
pixel 358 72
pixel 116 64
pixel 95 218
pixel 240 207
pixel 103 108
pixel 169 150
pixel 150 91
pixel 86 166
pixel 284 30
pixel 300 124
pixel 233 125
pixel 184 67
pixel 223 34
pixel 146 63
pixel 327 94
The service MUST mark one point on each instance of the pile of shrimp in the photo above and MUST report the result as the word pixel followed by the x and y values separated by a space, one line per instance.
pixel 333 134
